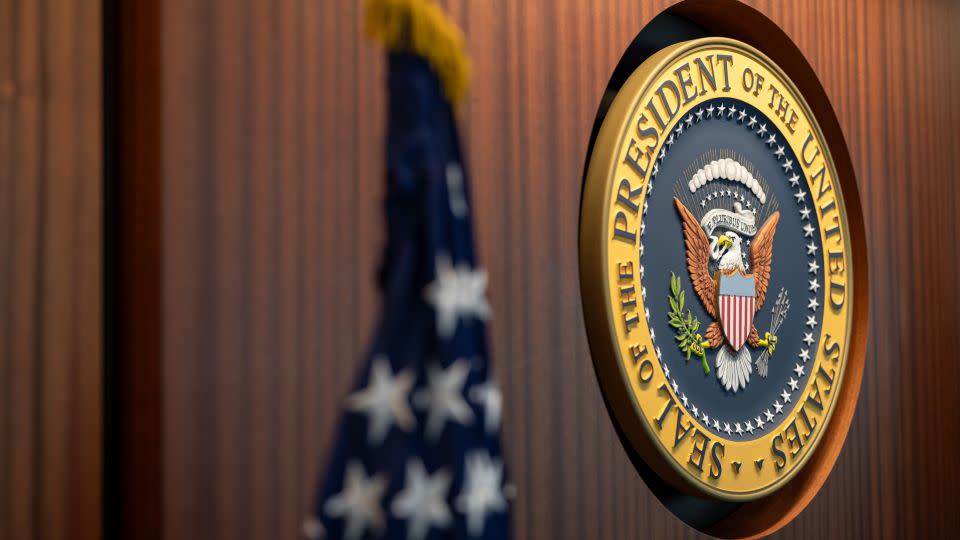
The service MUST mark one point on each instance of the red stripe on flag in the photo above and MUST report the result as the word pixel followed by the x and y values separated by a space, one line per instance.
pixel 745 319
pixel 736 321
pixel 733 326
pixel 741 301
pixel 727 317
pixel 733 321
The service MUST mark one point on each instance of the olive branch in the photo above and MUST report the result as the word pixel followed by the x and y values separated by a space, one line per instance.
pixel 690 342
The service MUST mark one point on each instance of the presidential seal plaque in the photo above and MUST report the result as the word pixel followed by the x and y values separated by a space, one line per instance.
pixel 716 270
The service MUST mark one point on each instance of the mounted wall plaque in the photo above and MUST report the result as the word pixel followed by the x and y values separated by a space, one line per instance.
pixel 723 282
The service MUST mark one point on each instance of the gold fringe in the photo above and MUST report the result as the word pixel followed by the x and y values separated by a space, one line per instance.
pixel 422 27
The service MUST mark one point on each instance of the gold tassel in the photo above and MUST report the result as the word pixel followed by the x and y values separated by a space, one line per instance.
pixel 421 27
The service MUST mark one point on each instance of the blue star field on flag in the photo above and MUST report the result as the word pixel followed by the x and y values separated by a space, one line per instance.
pixel 417 452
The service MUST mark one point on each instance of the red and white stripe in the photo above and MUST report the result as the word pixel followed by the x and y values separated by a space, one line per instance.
pixel 736 316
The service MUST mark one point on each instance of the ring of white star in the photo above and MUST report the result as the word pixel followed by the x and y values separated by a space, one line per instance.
pixel 752 123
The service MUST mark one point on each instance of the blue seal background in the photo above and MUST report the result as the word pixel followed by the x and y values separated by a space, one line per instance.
pixel 664 251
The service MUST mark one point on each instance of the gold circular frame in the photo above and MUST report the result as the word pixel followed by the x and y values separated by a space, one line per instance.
pixel 632 402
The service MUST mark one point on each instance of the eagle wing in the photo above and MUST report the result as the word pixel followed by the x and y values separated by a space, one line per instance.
pixel 698 259
pixel 761 255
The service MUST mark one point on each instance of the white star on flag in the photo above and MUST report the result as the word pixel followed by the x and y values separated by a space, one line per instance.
pixel 444 397
pixel 488 395
pixel 455 293
pixel 423 500
pixel 359 502
pixel 384 400
pixel 481 493
pixel 313 529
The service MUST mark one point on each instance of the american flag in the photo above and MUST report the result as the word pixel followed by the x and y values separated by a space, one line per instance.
pixel 417 454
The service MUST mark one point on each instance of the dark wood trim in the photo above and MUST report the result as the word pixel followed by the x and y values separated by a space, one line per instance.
pixel 137 327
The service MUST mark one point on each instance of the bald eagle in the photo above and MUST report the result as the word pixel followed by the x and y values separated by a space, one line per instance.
pixel 733 361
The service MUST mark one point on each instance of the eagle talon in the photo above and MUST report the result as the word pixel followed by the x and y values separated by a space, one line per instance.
pixel 768 341
pixel 699 348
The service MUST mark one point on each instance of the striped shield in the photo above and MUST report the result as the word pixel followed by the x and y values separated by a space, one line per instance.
pixel 737 298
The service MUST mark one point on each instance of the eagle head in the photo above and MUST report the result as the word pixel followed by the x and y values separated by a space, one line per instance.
pixel 728 249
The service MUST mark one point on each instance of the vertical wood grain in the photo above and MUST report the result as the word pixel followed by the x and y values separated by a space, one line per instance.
pixel 271 187
pixel 50 269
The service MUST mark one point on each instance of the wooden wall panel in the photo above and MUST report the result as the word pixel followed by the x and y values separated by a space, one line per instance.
pixel 271 181
pixel 50 269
